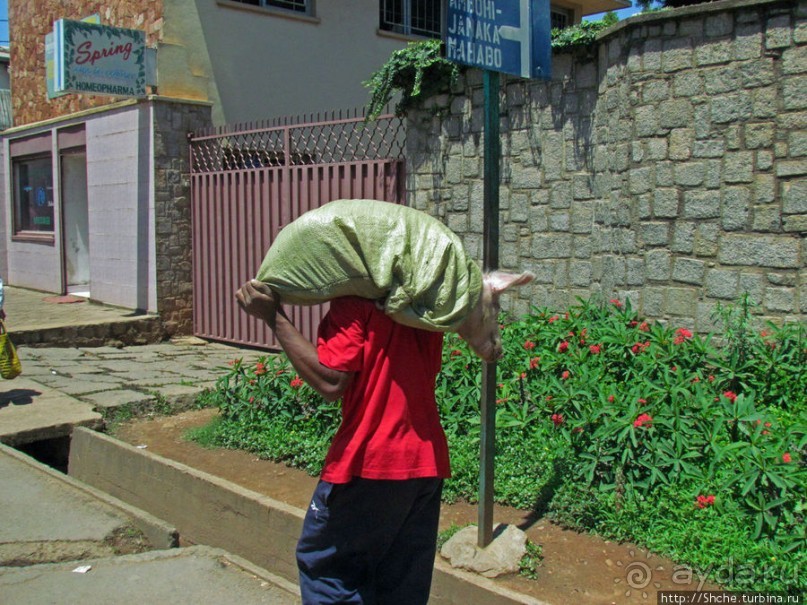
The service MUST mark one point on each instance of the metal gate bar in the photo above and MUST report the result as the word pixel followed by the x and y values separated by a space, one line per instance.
pixel 247 184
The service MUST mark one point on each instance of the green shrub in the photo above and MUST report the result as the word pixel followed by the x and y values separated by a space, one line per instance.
pixel 268 410
pixel 693 446
pixel 415 73
pixel 583 34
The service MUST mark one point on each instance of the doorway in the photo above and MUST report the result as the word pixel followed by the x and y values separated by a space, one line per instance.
pixel 75 223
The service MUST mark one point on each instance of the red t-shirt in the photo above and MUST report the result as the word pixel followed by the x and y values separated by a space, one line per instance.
pixel 390 426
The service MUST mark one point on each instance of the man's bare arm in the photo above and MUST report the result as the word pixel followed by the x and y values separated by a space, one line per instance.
pixel 257 299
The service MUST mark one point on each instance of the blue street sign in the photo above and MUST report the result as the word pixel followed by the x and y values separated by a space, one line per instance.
pixel 508 36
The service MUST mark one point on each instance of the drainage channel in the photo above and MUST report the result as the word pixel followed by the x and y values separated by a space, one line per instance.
pixel 53 452
pixel 65 541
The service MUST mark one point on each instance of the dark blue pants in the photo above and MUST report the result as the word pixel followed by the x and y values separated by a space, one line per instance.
pixel 370 542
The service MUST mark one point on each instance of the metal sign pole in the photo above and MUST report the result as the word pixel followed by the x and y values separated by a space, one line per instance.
pixel 492 154
pixel 496 36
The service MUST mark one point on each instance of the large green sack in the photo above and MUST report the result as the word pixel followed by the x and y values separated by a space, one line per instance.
pixel 403 257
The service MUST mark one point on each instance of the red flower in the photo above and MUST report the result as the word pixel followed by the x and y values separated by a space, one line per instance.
pixel 563 347
pixel 235 362
pixel 642 420
pixel 711 378
pixel 696 379
pixel 529 345
pixel 642 401
pixel 577 429
pixel 639 347
pixel 703 501
pixel 296 382
pixel 565 375
pixel 456 353
pixel 554 318
pixel 644 327
pixel 260 369
pixel 558 419
pixel 615 302
pixel 523 375
pixel 252 400
pixel 730 395
pixel 534 362
pixel 682 334
pixel 595 349
pixel 611 398
pixel 786 457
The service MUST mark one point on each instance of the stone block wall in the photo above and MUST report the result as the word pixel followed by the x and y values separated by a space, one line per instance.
pixel 666 165
pixel 173 121
pixel 30 20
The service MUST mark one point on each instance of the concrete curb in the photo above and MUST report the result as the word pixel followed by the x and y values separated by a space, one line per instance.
pixel 210 510
pixel 205 509
pixel 159 533
pixel 138 330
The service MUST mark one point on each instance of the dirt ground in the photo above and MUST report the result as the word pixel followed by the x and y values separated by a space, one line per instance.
pixel 577 569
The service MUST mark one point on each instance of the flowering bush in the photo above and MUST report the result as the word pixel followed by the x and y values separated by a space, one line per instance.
pixel 609 422
pixel 648 408
pixel 269 410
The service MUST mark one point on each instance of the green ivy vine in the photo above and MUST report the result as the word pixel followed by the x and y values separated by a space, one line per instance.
pixel 419 71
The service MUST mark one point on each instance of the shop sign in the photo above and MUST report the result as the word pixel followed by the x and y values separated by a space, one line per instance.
pixel 94 59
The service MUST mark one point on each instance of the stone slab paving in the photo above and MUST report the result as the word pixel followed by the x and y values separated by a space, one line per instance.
pixel 31 411
pixel 108 377
pixel 65 387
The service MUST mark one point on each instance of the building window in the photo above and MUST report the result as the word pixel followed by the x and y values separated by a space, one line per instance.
pixel 33 194
pixel 412 17
pixel 297 6
pixel 559 18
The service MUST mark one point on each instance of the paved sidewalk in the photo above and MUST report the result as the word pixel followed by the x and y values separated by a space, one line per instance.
pixel 53 524
pixel 33 310
pixel 61 387
pixel 59 543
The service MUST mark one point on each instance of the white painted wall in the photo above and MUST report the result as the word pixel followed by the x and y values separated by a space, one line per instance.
pixel 256 64
pixel 119 194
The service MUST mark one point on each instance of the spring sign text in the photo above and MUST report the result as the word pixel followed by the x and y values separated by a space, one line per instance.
pixel 90 58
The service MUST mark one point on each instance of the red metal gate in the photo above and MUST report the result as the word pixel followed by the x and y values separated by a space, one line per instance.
pixel 248 182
